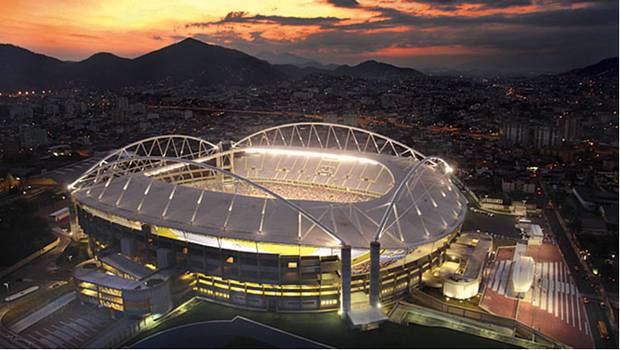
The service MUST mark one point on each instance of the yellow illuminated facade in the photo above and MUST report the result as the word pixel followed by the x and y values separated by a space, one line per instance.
pixel 108 297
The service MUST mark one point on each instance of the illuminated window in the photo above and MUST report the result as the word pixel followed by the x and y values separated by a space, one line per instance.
pixel 292 264
pixel 230 259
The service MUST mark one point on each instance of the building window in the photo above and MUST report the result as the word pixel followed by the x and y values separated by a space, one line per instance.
pixel 292 264
pixel 230 259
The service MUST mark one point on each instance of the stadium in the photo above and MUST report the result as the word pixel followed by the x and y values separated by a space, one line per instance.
pixel 298 217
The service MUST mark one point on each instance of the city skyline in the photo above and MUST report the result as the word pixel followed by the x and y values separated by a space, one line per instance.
pixel 503 36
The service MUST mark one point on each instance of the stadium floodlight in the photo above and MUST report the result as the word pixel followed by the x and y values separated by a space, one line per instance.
pixel 310 154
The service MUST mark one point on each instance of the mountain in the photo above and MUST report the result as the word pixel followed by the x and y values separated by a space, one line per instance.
pixel 371 70
pixel 607 68
pixel 378 71
pixel 284 58
pixel 294 72
pixel 103 70
pixel 20 68
pixel 205 64
pixel 187 60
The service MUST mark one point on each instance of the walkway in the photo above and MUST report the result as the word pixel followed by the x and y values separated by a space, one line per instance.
pixel 43 312
pixel 553 304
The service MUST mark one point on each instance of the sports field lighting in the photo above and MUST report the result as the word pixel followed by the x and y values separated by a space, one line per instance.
pixel 310 154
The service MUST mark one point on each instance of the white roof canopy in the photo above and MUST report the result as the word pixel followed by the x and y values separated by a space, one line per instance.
pixel 418 202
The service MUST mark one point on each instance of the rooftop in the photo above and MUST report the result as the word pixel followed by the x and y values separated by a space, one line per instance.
pixel 425 208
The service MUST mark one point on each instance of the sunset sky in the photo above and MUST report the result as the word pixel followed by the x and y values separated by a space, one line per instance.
pixel 453 34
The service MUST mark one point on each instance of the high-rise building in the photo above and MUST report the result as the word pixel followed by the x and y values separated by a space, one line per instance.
pixel 30 136
pixel 569 128
pixel 528 133
pixel 516 133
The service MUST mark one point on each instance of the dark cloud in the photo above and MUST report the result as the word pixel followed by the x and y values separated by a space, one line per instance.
pixel 84 36
pixel 557 38
pixel 344 3
pixel 243 17
pixel 157 37
pixel 454 4
pixel 599 14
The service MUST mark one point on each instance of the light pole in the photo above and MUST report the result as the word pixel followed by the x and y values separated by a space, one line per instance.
pixel 6 284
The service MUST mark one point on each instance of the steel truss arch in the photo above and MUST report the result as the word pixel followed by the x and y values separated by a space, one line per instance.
pixel 173 145
pixel 328 135
pixel 136 165
pixel 403 185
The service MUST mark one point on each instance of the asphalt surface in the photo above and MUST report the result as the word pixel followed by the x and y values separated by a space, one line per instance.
pixel 42 272
pixel 498 224
pixel 595 312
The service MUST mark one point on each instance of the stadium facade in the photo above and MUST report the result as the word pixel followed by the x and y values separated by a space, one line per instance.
pixel 299 217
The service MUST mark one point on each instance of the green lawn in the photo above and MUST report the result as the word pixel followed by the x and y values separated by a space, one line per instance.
pixel 327 328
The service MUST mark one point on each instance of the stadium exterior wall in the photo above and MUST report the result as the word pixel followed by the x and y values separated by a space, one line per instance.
pixel 271 282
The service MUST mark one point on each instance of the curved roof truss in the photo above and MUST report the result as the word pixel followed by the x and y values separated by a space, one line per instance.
pixel 404 187
pixel 328 136
pixel 178 159
pixel 138 165
pixel 171 146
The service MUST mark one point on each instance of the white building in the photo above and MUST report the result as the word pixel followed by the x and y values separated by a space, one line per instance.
pixel 522 275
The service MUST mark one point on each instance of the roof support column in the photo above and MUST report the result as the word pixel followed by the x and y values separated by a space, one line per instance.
pixel 345 271
pixel 375 278
pixel 74 227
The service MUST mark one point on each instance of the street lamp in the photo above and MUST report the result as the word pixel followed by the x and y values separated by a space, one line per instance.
pixel 6 284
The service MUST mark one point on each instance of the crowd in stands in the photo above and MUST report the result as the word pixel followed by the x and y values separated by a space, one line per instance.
pixel 292 191
pixel 353 175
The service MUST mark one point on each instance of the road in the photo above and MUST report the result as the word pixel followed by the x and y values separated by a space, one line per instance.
pixel 42 272
pixel 595 312
pixel 42 269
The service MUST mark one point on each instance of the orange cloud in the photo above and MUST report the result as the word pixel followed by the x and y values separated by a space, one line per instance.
pixel 75 29
pixel 427 51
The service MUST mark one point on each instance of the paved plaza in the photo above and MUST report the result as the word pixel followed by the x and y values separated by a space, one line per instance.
pixel 553 304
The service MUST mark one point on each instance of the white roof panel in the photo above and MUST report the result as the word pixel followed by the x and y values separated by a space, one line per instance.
pixel 428 209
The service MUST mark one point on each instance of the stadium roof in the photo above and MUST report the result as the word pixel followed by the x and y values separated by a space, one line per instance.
pixel 420 206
